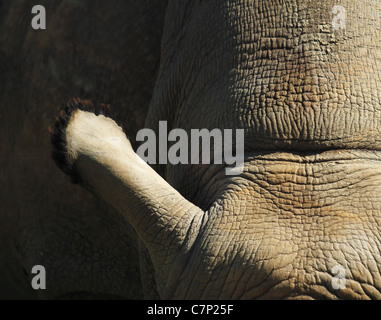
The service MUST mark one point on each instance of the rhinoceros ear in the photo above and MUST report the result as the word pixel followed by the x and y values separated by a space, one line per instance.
pixel 58 131
pixel 95 150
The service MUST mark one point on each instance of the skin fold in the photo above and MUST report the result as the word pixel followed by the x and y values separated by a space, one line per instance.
pixel 308 199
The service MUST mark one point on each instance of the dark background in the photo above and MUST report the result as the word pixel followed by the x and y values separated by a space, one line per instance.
pixel 108 51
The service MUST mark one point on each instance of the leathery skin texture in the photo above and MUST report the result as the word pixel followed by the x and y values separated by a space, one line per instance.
pixel 278 230
pixel 308 200
pixel 277 69
pixel 301 90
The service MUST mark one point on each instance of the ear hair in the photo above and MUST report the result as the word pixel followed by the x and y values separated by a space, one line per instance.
pixel 58 132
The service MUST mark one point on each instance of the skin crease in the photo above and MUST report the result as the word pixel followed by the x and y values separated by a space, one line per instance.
pixel 308 200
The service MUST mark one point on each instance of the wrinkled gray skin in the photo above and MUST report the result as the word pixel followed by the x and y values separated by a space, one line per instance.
pixel 308 97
